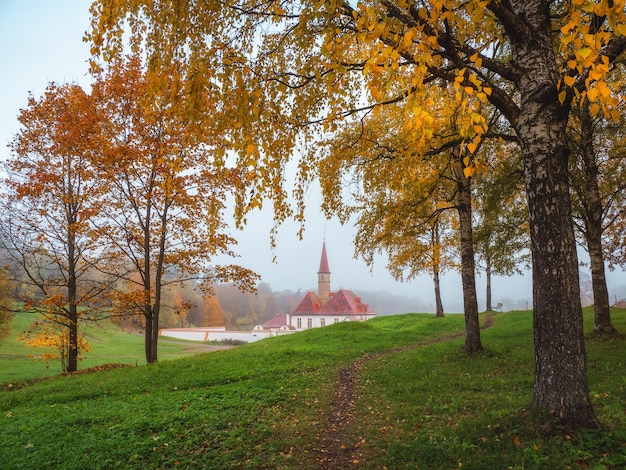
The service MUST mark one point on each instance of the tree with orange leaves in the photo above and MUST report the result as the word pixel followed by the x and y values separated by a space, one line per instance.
pixel 164 196
pixel 50 198
pixel 212 312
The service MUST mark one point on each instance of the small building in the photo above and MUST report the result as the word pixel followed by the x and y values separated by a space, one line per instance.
pixel 324 308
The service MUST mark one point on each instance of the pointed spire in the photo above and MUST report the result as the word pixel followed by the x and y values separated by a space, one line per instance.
pixel 323 278
pixel 324 261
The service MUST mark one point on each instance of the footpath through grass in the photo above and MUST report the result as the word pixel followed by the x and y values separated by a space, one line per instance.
pixel 264 405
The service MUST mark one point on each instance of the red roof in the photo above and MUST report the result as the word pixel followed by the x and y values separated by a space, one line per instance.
pixel 324 262
pixel 310 304
pixel 342 302
pixel 276 322
pixel 345 301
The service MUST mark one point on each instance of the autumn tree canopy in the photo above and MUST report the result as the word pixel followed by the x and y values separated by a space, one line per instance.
pixel 277 68
pixel 165 198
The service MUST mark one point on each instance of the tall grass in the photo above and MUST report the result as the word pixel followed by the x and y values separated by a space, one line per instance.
pixel 265 404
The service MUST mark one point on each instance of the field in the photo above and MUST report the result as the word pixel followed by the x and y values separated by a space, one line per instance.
pixel 394 392
pixel 108 343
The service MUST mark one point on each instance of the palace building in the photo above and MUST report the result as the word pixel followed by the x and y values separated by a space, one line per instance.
pixel 322 308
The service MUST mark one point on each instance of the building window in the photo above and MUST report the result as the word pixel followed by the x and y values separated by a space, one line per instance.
pixel 336 320
pixel 309 323
pixel 299 323
pixel 322 321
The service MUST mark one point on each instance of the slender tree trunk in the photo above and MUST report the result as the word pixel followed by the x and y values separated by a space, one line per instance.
pixel 148 333
pixel 593 227
pixel 438 302
pixel 72 290
pixel 468 278
pixel 154 337
pixel 488 282
pixel 435 242
pixel 72 353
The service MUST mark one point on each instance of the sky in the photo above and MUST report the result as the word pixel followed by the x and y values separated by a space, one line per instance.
pixel 41 41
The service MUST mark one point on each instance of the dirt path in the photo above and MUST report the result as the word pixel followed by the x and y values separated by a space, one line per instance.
pixel 334 452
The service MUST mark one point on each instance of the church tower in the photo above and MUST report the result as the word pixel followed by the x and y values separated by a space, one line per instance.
pixel 323 278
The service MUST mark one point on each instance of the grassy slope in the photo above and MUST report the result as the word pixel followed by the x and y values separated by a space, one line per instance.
pixel 108 345
pixel 263 405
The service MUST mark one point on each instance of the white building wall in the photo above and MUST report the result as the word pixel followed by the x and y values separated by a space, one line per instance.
pixel 220 334
pixel 316 320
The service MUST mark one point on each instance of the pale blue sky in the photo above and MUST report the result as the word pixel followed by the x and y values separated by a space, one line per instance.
pixel 41 41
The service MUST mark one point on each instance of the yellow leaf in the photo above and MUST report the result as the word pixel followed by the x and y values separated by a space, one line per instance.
pixel 584 52
pixel 250 149
pixel 595 74
pixel 466 161
pixel 468 172
pixel 471 147
pixel 517 441
pixel 594 109
pixel 572 64
pixel 603 89
pixel 569 80
pixel 616 115
pixel 562 97
pixel 592 93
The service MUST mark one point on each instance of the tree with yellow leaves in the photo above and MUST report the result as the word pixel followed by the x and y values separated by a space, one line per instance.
pixel 597 167
pixel 280 67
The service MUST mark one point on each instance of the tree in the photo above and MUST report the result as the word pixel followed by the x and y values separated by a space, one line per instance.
pixel 164 197
pixel 406 215
pixel 6 304
pixel 597 187
pixel 501 222
pixel 287 64
pixel 50 198
pixel 212 312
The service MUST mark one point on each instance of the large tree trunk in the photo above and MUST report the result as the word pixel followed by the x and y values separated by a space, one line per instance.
pixel 560 384
pixel 468 277
pixel 593 227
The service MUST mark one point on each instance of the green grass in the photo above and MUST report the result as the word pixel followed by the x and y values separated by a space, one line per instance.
pixel 108 344
pixel 263 405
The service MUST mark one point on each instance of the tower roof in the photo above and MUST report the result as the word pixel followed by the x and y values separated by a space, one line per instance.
pixel 324 261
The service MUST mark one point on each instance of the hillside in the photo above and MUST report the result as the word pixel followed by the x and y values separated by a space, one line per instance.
pixel 394 392
pixel 108 344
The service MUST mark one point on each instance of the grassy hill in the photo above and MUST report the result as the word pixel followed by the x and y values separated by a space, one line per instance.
pixel 394 392
pixel 108 344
